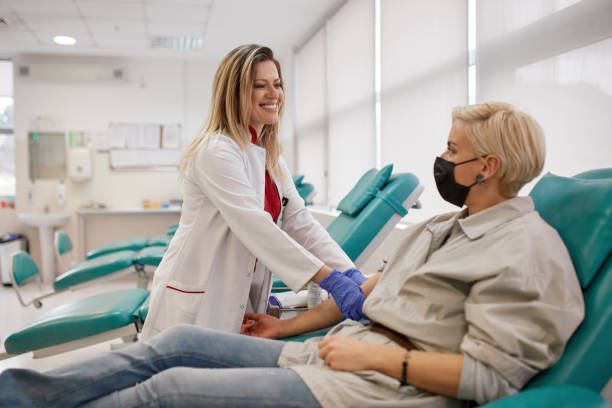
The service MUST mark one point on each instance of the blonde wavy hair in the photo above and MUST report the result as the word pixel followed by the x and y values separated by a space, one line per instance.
pixel 514 136
pixel 231 106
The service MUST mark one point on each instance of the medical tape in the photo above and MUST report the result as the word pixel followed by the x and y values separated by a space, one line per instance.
pixel 392 203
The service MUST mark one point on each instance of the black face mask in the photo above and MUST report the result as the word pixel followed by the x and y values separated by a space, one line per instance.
pixel 449 189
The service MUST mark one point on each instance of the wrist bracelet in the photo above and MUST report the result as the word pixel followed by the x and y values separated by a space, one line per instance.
pixel 405 368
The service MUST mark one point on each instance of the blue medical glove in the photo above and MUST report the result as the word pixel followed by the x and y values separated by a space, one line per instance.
pixel 346 293
pixel 355 275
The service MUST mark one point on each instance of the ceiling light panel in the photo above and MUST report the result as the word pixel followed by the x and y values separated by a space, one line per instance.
pixel 64 8
pixel 82 40
pixel 111 10
pixel 45 24
pixel 177 12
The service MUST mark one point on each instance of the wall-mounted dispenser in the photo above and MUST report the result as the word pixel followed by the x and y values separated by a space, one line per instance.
pixel 79 163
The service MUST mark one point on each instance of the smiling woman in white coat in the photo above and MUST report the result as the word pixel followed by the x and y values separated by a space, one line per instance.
pixel 242 218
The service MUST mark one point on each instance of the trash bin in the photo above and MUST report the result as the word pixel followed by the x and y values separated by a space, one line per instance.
pixel 9 244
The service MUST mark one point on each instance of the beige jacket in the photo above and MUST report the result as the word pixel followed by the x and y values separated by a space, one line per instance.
pixel 499 286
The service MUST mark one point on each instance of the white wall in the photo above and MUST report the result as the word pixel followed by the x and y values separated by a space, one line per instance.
pixel 157 91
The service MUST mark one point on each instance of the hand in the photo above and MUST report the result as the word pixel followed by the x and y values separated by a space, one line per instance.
pixel 261 325
pixel 342 353
pixel 346 293
pixel 355 275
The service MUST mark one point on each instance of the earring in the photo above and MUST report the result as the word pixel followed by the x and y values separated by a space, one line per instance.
pixel 480 179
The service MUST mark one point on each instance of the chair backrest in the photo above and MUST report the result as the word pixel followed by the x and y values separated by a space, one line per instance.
pixel 361 232
pixel 23 268
pixel 306 191
pixel 580 209
pixel 62 244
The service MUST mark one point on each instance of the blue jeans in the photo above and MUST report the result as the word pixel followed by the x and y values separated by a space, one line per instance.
pixel 183 366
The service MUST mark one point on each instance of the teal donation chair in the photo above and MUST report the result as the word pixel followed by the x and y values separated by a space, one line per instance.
pixel 72 276
pixel 369 212
pixel 305 190
pixel 580 209
pixel 134 244
pixel 84 322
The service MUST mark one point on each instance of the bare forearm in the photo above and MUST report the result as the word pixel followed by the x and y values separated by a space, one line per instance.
pixel 434 372
pixel 323 315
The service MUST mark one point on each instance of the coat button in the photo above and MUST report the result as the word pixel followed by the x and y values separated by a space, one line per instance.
pixel 242 307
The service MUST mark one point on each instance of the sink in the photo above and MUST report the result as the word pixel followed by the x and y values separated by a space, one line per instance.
pixel 45 224
pixel 44 220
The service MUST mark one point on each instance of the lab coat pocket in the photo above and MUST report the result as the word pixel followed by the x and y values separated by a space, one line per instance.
pixel 182 305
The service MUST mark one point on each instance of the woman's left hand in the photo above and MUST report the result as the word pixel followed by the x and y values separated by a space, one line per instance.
pixel 347 354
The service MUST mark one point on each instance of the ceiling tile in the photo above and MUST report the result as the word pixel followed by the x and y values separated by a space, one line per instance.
pixel 56 24
pixel 207 3
pixel 44 7
pixel 14 23
pixel 177 12
pixel 17 37
pixel 128 28
pixel 161 29
pixel 111 10
pixel 109 40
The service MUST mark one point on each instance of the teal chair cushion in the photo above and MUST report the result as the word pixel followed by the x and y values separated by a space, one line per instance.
pixel 354 234
pixel 172 229
pixel 297 179
pixel 77 320
pixel 278 285
pixel 150 256
pixel 305 190
pixel 94 268
pixel 587 360
pixel 133 244
pixel 160 240
pixel 366 188
pixel 595 174
pixel 24 268
pixel 561 396
pixel 64 244
pixel 581 211
pixel 142 311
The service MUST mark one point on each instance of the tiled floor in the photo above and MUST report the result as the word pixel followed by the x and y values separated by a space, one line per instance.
pixel 13 317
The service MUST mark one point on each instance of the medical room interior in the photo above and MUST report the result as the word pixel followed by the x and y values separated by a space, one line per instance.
pixel 99 98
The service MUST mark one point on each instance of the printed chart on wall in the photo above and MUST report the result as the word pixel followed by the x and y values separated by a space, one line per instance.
pixel 143 146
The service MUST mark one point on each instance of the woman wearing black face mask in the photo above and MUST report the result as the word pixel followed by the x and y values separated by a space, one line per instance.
pixel 471 306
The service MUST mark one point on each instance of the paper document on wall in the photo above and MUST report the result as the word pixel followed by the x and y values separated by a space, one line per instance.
pixel 144 158
pixel 171 136
pixel 142 136
pixel 118 135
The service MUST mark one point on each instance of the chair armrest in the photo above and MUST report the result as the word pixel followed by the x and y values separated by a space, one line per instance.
pixel 559 396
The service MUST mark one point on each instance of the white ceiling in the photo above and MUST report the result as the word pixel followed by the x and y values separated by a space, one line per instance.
pixel 127 27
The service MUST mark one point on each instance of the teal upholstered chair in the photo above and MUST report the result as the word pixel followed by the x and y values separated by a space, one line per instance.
pixel 73 275
pixel 369 212
pixel 580 209
pixel 305 190
pixel 80 323
pixel 104 264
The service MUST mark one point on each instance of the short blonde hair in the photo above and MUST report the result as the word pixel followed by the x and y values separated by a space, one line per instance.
pixel 231 105
pixel 514 136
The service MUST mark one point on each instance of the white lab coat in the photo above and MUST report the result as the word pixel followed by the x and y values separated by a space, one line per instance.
pixel 209 275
